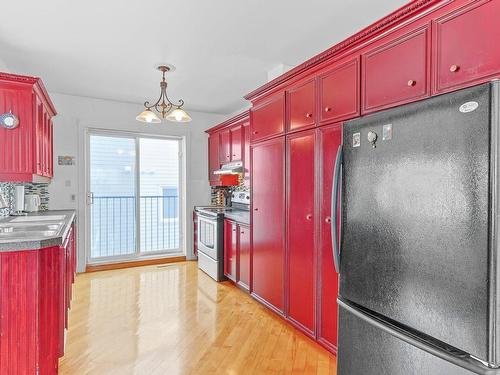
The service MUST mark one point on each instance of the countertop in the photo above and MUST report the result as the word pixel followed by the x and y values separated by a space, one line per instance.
pixel 239 216
pixel 28 241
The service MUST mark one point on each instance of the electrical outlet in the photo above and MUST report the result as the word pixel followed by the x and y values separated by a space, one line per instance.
pixel 73 197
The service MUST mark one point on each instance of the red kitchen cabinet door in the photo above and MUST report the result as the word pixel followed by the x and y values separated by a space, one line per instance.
pixel 330 137
pixel 230 249
pixel 300 229
pixel 302 104
pixel 50 148
pixel 466 46
pixel 340 92
pixel 268 119
pixel 225 146
pixel 236 142
pixel 246 157
pixel 268 222
pixel 213 157
pixel 244 257
pixel 396 72
pixel 46 145
pixel 16 145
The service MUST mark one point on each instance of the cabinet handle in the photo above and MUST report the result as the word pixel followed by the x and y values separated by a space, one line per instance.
pixel 328 109
pixel 328 220
pixel 309 217
pixel 234 230
pixel 234 155
pixel 309 115
pixel 454 68
pixel 412 82
pixel 242 232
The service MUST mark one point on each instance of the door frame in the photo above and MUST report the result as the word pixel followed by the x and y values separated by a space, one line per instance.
pixel 137 255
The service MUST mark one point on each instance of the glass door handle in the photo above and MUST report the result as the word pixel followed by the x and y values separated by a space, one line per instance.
pixel 90 198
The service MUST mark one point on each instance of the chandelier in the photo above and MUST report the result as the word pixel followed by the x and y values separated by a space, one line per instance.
pixel 163 106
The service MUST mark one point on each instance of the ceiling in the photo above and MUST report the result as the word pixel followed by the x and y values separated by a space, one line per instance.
pixel 222 49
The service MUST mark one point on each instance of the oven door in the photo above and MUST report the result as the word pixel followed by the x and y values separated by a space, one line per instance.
pixel 208 236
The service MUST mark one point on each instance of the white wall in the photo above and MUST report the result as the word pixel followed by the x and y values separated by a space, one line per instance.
pixel 3 67
pixel 75 114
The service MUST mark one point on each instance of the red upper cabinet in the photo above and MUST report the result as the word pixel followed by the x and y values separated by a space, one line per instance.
pixel 302 106
pixel 396 72
pixel 225 146
pixel 339 92
pixel 466 46
pixel 236 142
pixel 268 222
pixel 26 149
pixel 246 149
pixel 301 230
pixel 330 137
pixel 268 118
pixel 229 141
pixel 213 157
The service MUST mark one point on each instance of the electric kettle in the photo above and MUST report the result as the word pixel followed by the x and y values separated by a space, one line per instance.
pixel 32 202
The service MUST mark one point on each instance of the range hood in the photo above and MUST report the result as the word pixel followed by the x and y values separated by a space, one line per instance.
pixel 231 168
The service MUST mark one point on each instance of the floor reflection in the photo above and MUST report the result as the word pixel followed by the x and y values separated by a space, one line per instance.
pixel 174 319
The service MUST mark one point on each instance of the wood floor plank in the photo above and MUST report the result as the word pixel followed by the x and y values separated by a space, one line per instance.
pixel 175 320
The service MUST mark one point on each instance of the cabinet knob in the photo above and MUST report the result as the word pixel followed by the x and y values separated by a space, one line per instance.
pixel 328 109
pixel 412 82
pixel 309 217
pixel 256 209
pixel 309 115
pixel 234 230
pixel 255 132
pixel 242 232
pixel 454 68
pixel 234 154
pixel 328 219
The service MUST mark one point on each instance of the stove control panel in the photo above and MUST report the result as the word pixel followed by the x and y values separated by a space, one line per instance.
pixel 242 197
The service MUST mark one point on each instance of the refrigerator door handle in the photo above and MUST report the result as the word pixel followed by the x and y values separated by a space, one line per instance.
pixel 337 172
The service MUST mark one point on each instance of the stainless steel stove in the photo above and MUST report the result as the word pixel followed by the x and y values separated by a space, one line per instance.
pixel 211 232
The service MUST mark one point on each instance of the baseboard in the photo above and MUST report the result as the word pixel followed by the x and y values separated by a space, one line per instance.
pixel 135 263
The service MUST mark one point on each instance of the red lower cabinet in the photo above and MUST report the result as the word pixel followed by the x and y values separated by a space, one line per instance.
pixel 237 253
pixel 31 298
pixel 301 274
pixel 230 249
pixel 268 222
pixel 35 290
pixel 244 257
pixel 330 137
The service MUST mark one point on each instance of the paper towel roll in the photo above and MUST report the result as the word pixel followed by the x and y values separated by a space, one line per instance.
pixel 19 199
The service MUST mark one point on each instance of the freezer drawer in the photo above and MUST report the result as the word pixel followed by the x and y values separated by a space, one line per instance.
pixel 368 346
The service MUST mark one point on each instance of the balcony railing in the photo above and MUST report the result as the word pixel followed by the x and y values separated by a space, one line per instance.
pixel 114 221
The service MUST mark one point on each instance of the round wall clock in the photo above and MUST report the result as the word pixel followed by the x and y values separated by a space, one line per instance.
pixel 9 120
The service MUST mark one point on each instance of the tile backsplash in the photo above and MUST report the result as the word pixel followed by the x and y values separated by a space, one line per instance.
pixel 8 188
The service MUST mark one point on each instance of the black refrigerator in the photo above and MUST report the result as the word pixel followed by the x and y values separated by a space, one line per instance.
pixel 418 246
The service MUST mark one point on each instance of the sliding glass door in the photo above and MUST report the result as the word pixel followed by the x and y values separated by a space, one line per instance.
pixel 133 196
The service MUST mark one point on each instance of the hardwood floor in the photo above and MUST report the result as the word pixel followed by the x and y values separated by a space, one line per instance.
pixel 173 319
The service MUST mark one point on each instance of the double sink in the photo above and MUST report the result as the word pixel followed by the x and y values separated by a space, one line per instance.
pixel 28 227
